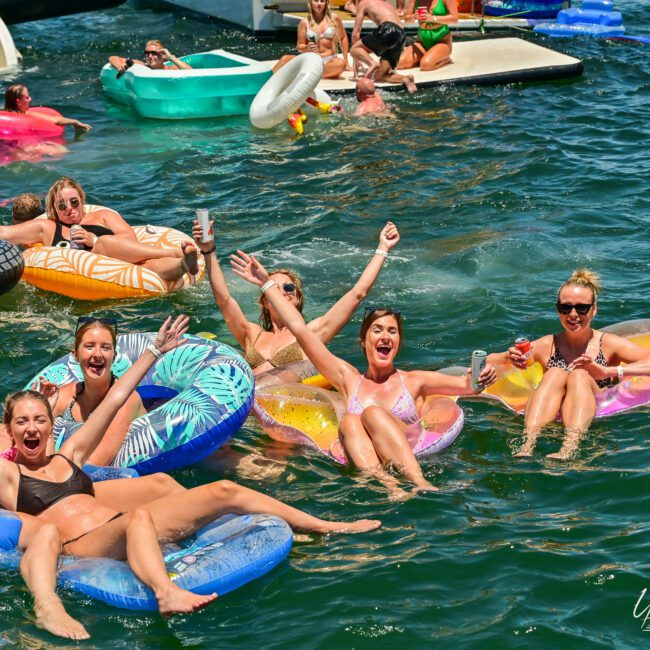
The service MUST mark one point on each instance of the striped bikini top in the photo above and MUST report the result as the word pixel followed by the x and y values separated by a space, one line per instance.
pixel 404 408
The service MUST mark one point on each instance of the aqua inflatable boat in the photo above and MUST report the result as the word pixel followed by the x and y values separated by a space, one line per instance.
pixel 219 83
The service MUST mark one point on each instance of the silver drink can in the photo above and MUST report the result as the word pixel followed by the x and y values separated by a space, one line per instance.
pixel 73 243
pixel 203 217
pixel 479 358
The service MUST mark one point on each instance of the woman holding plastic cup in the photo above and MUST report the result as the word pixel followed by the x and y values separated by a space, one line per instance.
pixel 432 48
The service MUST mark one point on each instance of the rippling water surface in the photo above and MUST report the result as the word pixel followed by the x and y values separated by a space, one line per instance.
pixel 499 194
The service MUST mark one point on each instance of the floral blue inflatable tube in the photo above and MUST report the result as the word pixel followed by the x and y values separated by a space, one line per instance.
pixel 197 396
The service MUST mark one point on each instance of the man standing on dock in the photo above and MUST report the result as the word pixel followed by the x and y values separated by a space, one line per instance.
pixel 386 41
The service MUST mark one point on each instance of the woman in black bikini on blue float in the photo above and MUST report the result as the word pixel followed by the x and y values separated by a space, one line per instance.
pixel 54 489
pixel 579 363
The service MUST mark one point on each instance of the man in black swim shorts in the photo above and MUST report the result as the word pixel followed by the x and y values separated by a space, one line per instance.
pixel 387 42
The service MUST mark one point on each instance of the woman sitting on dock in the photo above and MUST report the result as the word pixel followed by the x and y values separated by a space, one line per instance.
pixel 432 48
pixel 323 33
pixel 156 57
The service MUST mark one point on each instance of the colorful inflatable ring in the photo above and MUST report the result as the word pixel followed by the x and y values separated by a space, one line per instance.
pixel 302 414
pixel 221 557
pixel 12 265
pixel 514 387
pixel 29 125
pixel 286 90
pixel 207 390
pixel 83 275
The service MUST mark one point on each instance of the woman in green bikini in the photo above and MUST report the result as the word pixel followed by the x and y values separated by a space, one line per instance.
pixel 432 48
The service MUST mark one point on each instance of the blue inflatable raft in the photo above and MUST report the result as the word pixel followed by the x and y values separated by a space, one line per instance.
pixel 221 557
pixel 199 394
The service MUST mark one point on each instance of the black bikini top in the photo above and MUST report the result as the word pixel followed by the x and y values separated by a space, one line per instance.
pixel 36 495
pixel 97 230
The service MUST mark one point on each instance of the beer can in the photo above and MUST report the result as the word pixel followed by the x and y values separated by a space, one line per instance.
pixel 523 345
pixel 203 217
pixel 479 358
pixel 73 243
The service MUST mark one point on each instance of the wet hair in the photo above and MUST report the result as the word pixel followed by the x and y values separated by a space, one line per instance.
pixel 96 324
pixel 12 400
pixel 311 21
pixel 375 314
pixel 583 278
pixel 26 207
pixel 265 317
pixel 12 95
pixel 51 199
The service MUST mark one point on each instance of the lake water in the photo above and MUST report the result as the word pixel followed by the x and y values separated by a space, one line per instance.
pixel 499 194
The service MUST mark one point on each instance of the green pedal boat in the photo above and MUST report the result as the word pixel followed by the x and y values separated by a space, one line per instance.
pixel 219 83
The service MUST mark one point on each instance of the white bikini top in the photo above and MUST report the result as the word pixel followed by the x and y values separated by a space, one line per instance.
pixel 315 36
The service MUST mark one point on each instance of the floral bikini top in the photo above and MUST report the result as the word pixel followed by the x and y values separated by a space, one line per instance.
pixel 404 408
pixel 556 360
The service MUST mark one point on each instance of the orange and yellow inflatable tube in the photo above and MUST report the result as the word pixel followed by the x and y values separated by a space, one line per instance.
pixel 84 275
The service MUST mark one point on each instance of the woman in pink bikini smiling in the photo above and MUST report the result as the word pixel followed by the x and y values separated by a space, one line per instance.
pixel 382 402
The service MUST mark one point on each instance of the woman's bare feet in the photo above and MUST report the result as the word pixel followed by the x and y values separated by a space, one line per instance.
pixel 190 258
pixel 51 616
pixel 175 600
pixel 358 526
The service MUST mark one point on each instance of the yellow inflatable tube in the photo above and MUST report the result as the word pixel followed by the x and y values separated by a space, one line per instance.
pixel 86 276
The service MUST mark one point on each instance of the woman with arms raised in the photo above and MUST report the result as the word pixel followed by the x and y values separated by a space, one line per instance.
pixel 381 403
pixel 579 363
pixel 272 343
pixel 102 231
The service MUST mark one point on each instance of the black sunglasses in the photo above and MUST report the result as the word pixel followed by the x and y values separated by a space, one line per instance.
pixel 288 287
pixel 74 203
pixel 152 53
pixel 371 309
pixel 84 320
pixel 581 308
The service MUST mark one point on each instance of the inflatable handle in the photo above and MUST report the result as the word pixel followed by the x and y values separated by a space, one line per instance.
pixel 296 121
pixel 325 107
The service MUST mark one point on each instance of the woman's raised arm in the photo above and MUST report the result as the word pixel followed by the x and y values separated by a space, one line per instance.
pixel 232 313
pixel 80 446
pixel 329 365
pixel 326 327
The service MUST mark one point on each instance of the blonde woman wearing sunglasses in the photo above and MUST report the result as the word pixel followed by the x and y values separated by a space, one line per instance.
pixel 579 362
pixel 156 57
pixel 98 230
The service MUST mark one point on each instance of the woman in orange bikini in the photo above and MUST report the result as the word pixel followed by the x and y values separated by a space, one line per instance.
pixel 271 344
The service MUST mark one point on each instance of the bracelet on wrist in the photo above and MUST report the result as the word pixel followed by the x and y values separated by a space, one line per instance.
pixel 209 251
pixel 620 372
pixel 154 350
pixel 267 285
pixel 381 252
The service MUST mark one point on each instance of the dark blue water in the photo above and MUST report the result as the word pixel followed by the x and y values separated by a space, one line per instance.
pixel 499 194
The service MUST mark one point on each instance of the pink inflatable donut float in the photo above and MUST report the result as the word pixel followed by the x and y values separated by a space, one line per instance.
pixel 29 125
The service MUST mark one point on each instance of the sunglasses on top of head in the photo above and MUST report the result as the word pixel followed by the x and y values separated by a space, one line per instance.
pixel 84 320
pixel 62 204
pixel 581 308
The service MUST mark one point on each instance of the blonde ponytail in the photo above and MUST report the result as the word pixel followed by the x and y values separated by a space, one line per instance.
pixel 584 278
